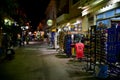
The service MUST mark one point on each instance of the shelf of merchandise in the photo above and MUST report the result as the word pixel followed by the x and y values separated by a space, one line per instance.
pixel 91 55
pixel 113 50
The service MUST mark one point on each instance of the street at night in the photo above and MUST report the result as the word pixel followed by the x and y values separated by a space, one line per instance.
pixel 59 39
pixel 37 62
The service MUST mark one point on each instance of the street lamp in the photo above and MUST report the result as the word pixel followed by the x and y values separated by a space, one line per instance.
pixel 27 27
pixel 23 28
pixel 8 21
pixel 50 22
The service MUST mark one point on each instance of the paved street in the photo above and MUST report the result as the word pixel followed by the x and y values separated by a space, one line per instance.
pixel 36 62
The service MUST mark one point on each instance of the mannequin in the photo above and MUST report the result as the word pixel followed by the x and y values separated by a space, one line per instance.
pixel 79 50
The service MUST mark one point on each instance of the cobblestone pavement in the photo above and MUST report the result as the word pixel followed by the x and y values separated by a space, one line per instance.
pixel 38 62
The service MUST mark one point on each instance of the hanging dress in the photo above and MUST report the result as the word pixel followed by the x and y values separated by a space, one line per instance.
pixel 79 50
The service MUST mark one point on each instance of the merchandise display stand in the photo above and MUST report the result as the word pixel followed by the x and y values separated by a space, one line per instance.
pixel 113 49
pixel 97 49
pixel 56 41
pixel 91 56
pixel 101 51
pixel 104 51
pixel 61 41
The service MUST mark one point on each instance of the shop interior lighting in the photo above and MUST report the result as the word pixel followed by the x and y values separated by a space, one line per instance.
pixel 77 22
pixel 27 27
pixel 92 4
pixel 68 24
pixel 8 21
pixel 96 2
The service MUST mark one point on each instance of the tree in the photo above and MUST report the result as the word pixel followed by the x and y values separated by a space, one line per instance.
pixel 11 9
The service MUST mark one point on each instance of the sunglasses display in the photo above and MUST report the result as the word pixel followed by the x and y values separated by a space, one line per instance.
pixel 104 48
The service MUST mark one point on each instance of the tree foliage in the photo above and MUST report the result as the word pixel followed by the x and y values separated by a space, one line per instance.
pixel 11 9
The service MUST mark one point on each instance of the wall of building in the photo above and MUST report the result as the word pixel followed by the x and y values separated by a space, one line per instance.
pixel 51 13
pixel 62 7
pixel 73 10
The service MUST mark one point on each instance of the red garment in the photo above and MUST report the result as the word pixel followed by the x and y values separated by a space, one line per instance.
pixel 79 50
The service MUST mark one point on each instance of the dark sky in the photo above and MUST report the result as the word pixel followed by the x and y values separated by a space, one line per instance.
pixel 34 9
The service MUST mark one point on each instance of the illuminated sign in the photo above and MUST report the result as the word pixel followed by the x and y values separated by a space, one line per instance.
pixel 50 22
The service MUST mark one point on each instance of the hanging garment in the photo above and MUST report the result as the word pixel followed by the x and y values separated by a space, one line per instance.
pixel 79 50
pixel 68 45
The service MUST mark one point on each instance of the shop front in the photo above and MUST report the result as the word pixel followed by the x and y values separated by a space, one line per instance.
pixel 70 34
pixel 108 14
pixel 107 37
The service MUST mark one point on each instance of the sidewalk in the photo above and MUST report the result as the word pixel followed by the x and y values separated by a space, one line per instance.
pixel 74 68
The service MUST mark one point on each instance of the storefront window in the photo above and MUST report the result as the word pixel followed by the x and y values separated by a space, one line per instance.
pixel 109 14
pixel 106 23
pixel 106 17
pixel 100 16
pixel 117 11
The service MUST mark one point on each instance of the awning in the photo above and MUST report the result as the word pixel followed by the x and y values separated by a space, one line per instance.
pixel 94 7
